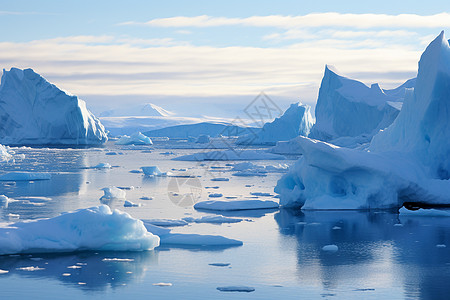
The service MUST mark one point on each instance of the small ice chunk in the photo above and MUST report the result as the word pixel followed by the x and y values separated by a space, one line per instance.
pixel 146 198
pixel 336 228
pixel 74 267
pixel 215 195
pixel 131 204
pixel 330 248
pixel 102 166
pixel 136 171
pixel 66 274
pixel 220 179
pixel 441 246
pixel 185 239
pixel 162 284
pixel 219 264
pixel 118 259
pixel 111 153
pixel 398 225
pixel 246 289
pixel 135 139
pixel 113 193
pixel 151 171
pixel 3 271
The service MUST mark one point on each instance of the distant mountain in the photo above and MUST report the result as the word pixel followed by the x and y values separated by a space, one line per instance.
pixel 143 110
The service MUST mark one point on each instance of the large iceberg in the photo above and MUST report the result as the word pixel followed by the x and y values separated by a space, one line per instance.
pixel 96 228
pixel 348 108
pixel 406 164
pixel 295 121
pixel 34 111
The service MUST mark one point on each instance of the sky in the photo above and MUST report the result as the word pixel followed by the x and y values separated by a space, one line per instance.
pixel 213 57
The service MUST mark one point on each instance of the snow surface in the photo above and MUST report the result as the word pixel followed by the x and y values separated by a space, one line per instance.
pixel 223 205
pixel 349 108
pixel 407 162
pixel 34 111
pixel 295 121
pixel 136 138
pixel 231 155
pixel 96 228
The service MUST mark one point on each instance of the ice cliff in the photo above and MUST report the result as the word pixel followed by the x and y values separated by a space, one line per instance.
pixel 295 121
pixel 348 108
pixel 34 111
pixel 409 162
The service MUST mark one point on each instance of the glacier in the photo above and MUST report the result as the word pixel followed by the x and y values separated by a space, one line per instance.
pixel 34 111
pixel 348 113
pixel 295 121
pixel 95 228
pixel 406 164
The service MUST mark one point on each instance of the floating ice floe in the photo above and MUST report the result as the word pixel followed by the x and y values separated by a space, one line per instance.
pixel 166 222
pixel 25 176
pixel 213 219
pixel 34 111
pixel 215 195
pixel 102 166
pixel 96 228
pixel 295 121
pixel 246 289
pixel 113 193
pixel 231 155
pixel 169 239
pixel 220 179
pixel 330 248
pixel 407 162
pixel 135 139
pixel 223 205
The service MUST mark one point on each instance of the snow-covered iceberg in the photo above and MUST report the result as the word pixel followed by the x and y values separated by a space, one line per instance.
pixel 34 111
pixel 4 154
pixel 348 108
pixel 295 121
pixel 96 228
pixel 409 162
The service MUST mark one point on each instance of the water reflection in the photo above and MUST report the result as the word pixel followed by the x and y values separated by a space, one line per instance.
pixel 86 270
pixel 376 251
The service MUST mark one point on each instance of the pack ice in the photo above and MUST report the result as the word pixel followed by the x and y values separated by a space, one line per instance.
pixel 349 113
pixel 34 111
pixel 295 121
pixel 407 162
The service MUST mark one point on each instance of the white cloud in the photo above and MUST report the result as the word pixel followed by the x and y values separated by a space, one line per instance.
pixel 329 19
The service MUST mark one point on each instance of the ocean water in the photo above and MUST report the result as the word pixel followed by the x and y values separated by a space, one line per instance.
pixel 381 255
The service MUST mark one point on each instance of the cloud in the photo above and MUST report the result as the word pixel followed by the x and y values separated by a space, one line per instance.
pixel 329 19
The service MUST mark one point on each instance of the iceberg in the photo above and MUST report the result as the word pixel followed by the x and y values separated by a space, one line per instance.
pixel 203 139
pixel 295 121
pixel 348 108
pixel 4 154
pixel 95 229
pixel 136 138
pixel 407 163
pixel 113 193
pixel 152 171
pixel 34 111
